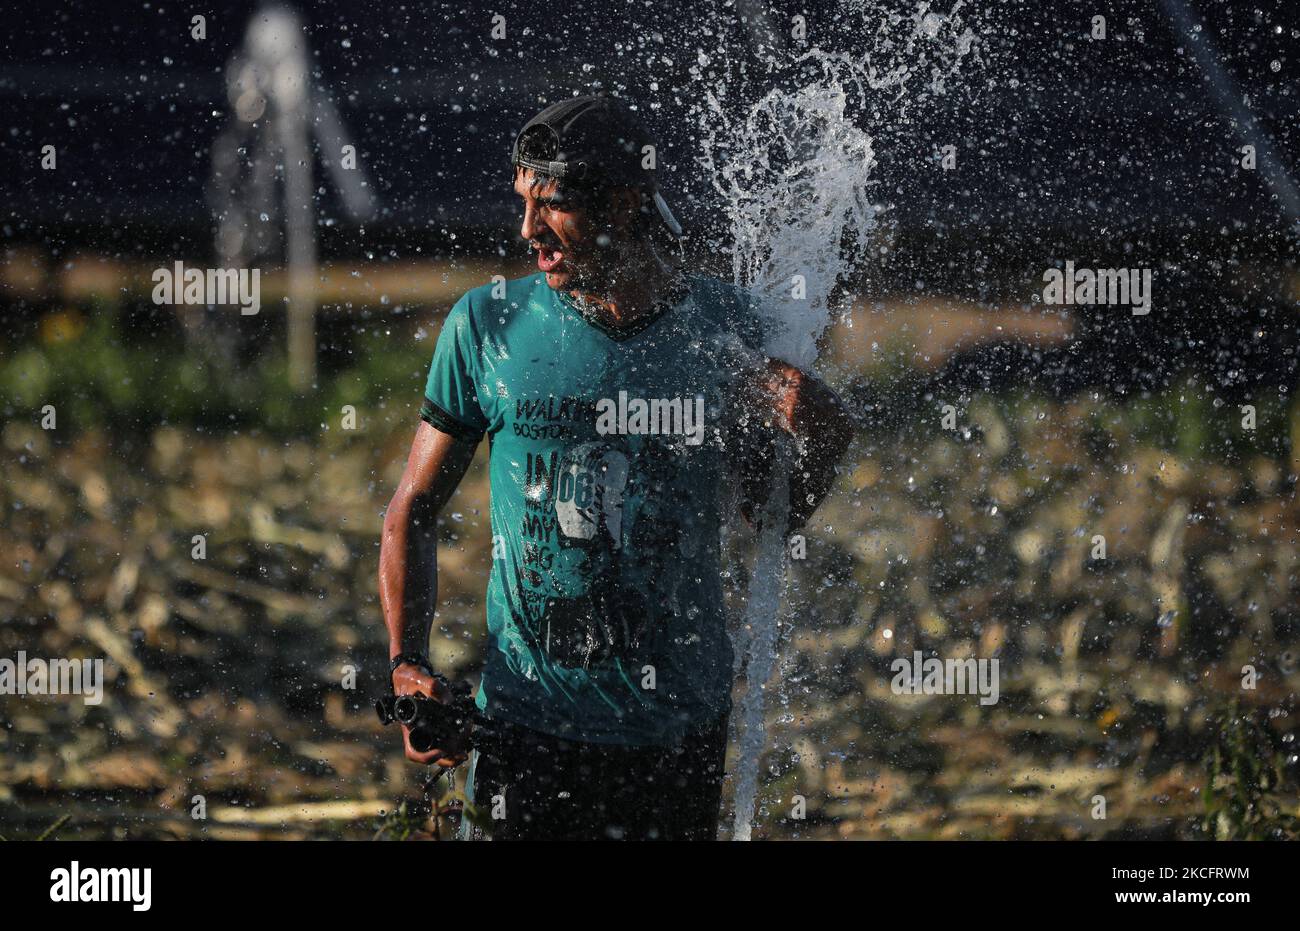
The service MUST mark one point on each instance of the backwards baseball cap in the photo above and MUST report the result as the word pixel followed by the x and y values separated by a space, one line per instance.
pixel 591 142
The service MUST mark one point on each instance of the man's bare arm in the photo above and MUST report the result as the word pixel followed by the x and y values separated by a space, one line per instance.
pixel 807 409
pixel 408 567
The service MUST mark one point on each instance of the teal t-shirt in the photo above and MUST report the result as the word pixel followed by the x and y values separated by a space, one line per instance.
pixel 608 454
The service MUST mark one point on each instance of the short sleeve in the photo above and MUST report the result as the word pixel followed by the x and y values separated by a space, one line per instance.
pixel 740 315
pixel 450 395
pixel 747 322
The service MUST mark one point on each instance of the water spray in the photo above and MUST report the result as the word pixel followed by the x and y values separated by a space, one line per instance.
pixel 793 170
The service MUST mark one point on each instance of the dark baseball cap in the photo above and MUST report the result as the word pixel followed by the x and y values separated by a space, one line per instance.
pixel 593 141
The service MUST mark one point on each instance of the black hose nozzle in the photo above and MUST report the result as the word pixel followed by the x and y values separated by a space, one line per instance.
pixel 432 723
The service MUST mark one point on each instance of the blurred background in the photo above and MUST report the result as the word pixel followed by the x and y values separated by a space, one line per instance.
pixel 358 155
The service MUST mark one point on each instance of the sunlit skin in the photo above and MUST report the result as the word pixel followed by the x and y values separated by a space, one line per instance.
pixel 624 278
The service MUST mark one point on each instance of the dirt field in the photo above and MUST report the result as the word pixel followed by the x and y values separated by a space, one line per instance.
pixel 228 676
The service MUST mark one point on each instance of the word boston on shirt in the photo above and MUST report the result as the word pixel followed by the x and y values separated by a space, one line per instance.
pixel 103 884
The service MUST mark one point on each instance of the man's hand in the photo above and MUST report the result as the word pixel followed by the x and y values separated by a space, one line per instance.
pixel 807 409
pixel 409 679
pixel 803 403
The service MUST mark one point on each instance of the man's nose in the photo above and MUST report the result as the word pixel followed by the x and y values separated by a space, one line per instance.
pixel 531 226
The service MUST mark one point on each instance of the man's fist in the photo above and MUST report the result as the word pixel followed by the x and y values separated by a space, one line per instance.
pixel 409 679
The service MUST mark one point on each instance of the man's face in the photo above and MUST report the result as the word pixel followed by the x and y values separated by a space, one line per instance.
pixel 573 249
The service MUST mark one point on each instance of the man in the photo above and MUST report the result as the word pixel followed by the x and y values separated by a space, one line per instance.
pixel 621 399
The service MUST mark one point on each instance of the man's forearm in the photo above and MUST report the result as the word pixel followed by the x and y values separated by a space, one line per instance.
pixel 805 409
pixel 408 575
pixel 814 473
pixel 408 567
pixel 822 429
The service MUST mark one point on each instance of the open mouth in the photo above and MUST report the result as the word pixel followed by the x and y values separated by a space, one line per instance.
pixel 549 259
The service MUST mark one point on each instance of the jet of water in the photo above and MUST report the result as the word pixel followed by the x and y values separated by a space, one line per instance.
pixel 794 173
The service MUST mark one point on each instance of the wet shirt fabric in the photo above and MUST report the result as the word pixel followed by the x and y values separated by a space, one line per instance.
pixel 608 451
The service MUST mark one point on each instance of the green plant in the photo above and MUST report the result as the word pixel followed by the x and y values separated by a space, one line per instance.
pixel 106 376
pixel 1250 791
pixel 434 816
pixel 408 819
